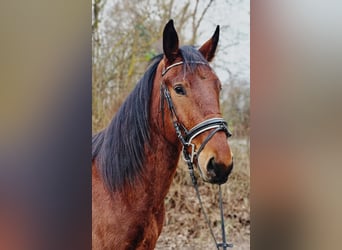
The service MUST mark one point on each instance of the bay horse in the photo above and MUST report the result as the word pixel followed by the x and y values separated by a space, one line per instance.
pixel 134 159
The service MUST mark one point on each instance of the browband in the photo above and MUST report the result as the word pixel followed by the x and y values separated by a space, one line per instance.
pixel 180 63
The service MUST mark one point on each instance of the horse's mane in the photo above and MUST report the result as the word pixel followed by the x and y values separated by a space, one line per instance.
pixel 119 149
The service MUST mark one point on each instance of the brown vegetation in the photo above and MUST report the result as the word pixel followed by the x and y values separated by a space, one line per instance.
pixel 185 226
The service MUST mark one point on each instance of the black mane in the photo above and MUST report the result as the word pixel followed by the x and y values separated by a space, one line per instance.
pixel 119 149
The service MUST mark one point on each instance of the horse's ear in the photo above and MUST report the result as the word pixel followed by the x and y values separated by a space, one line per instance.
pixel 208 49
pixel 170 42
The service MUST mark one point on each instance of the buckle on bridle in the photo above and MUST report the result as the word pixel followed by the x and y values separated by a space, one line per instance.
pixel 192 155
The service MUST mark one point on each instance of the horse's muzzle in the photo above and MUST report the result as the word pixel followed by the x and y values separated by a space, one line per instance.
pixel 218 173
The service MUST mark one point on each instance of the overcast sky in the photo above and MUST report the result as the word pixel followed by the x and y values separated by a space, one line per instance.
pixel 234 50
pixel 233 54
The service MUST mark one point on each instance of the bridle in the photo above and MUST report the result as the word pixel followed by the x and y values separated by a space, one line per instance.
pixel 186 136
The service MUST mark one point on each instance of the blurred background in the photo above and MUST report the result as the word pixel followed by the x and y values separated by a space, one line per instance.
pixel 296 91
pixel 45 125
pixel 126 36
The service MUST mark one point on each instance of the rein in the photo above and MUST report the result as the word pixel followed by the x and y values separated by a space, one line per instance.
pixel 186 136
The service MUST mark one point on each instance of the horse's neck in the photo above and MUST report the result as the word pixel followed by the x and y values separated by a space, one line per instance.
pixel 164 159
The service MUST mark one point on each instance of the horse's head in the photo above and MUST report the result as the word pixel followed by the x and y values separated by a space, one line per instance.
pixel 191 90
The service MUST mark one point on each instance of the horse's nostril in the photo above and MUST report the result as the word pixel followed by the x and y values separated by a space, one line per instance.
pixel 211 166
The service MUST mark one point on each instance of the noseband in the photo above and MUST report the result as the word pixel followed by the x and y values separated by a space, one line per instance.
pixel 186 136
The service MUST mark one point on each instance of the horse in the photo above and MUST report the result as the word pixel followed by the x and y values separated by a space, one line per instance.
pixel 174 107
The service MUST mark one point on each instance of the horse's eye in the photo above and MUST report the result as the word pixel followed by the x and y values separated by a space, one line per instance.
pixel 179 89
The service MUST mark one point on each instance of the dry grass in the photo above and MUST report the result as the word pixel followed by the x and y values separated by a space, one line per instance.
pixel 185 226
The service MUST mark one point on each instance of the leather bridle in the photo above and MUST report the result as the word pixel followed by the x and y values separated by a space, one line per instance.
pixel 186 136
